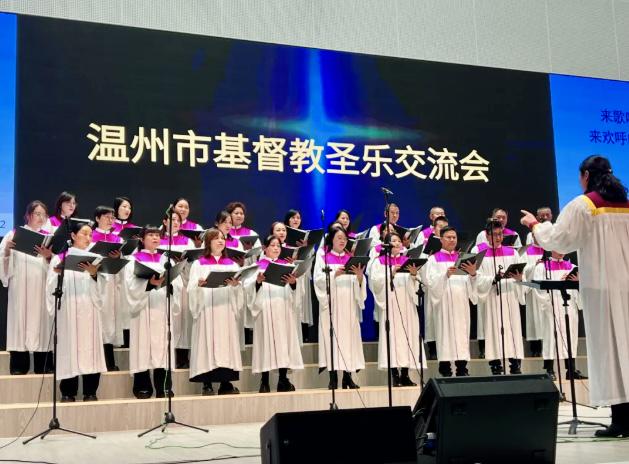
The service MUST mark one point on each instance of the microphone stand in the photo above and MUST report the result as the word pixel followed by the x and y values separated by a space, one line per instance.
pixel 54 423
pixel 169 417
pixel 386 245
pixel 548 276
pixel 327 270
pixel 499 293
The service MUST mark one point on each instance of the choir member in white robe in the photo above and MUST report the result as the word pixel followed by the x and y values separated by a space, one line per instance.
pixel 110 286
pixel 215 354
pixel 534 317
pixel 553 312
pixel 435 212
pixel 404 333
pixel 278 229
pixel 28 320
pixel 451 293
pixel 439 223
pixel 223 222
pixel 65 207
pixel 275 332
pixel 182 207
pixel 500 215
pixel 148 337
pixel 238 212
pixel 348 292
pixel 596 224
pixel 512 295
pixel 182 321
pixel 376 231
pixel 80 337
pixel 304 283
pixel 123 210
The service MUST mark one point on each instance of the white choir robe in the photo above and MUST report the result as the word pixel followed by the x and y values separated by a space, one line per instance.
pixel 275 314
pixel 305 291
pixel 348 301
pixel 404 332
pixel 79 331
pixel 450 298
pixel 482 237
pixel 599 231
pixel 512 298
pixel 553 307
pixel 182 322
pixel 110 286
pixel 28 320
pixel 534 316
pixel 215 319
pixel 148 333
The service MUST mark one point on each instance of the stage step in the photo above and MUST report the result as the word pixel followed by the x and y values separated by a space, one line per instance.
pixel 118 385
pixel 309 353
pixel 132 414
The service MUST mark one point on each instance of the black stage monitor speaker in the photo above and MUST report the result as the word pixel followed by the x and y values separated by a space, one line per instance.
pixel 368 435
pixel 499 419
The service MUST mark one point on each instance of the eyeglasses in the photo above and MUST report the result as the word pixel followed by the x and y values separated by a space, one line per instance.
pixel 38 214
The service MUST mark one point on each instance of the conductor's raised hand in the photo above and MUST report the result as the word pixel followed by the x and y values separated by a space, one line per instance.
pixel 528 219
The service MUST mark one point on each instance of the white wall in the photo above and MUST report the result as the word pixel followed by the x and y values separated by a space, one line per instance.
pixel 579 37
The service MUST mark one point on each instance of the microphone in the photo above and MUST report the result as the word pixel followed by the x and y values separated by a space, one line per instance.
pixel 386 191
pixel 322 215
pixel 169 210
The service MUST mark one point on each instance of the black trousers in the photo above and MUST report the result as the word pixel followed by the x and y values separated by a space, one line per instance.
pixel 70 387
pixel 20 361
pixel 110 360
pixel 142 381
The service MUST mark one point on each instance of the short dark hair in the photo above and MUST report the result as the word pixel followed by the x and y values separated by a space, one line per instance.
pixel 447 229
pixel 118 201
pixel 101 210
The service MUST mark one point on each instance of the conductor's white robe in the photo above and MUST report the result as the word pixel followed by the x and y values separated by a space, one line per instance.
pixel 599 231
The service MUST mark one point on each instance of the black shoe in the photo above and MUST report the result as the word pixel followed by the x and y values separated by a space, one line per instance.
pixel 515 370
pixel 182 365
pixel 89 398
pixel 162 394
pixel 612 431
pixel 284 385
pixel 395 378
pixel 578 375
pixel 143 394
pixel 68 399
pixel 208 390
pixel 18 372
pixel 113 369
pixel 348 382
pixel 405 381
pixel 552 375
pixel 228 389
pixel 496 369
pixel 49 370
pixel 264 388
pixel 464 373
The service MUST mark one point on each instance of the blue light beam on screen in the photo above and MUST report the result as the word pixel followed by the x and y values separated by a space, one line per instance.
pixel 590 116
pixel 317 125
pixel 8 50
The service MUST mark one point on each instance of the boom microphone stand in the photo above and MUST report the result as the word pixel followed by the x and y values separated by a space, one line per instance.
pixel 548 276
pixel 54 423
pixel 169 417
pixel 497 280
pixel 327 270
pixel 386 245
